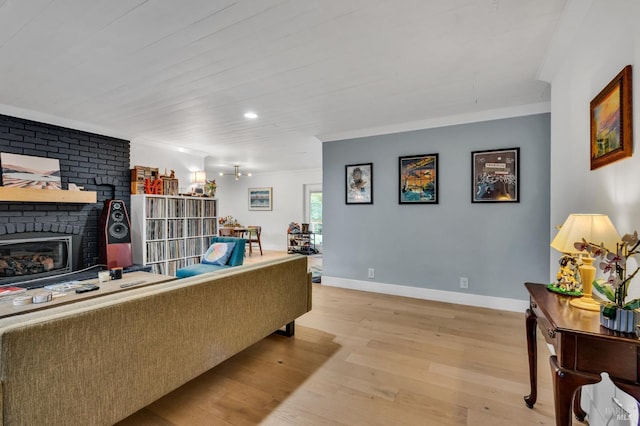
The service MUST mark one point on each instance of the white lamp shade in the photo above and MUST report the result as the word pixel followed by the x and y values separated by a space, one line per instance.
pixel 198 177
pixel 595 228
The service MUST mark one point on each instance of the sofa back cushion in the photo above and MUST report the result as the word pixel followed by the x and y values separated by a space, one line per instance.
pixel 237 255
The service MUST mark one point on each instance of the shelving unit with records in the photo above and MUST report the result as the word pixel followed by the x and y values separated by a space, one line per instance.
pixel 170 232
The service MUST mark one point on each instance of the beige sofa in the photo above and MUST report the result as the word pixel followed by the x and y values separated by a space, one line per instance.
pixel 97 361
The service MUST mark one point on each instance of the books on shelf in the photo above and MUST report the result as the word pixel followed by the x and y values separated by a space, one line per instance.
pixel 171 231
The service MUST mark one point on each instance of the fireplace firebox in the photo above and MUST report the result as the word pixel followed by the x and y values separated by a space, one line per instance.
pixel 28 259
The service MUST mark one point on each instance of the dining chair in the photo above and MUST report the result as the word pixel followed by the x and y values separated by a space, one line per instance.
pixel 254 237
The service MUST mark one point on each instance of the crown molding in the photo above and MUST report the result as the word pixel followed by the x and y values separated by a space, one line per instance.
pixel 55 120
pixel 473 117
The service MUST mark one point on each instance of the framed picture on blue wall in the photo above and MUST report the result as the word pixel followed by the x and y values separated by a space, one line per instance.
pixel 419 179
pixel 495 176
pixel 359 183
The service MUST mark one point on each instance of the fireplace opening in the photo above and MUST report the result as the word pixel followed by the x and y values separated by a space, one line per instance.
pixel 33 258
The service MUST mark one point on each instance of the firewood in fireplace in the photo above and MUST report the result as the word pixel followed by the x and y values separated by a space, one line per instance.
pixel 11 266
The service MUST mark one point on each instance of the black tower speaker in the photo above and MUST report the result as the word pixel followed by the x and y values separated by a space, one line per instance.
pixel 115 235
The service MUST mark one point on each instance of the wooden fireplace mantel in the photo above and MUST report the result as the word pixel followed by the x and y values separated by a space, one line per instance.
pixel 47 195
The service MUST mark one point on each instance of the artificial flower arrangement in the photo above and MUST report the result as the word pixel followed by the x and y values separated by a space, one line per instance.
pixel 616 287
pixel 228 221
pixel 211 186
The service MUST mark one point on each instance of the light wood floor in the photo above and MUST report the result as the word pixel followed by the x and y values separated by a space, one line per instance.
pixel 367 359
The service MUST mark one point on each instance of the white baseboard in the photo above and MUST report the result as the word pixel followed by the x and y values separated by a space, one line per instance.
pixel 504 304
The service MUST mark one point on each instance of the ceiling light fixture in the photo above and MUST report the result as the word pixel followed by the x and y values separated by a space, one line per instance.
pixel 236 173
pixel 251 115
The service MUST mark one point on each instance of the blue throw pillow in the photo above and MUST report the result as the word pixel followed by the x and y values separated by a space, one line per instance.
pixel 218 253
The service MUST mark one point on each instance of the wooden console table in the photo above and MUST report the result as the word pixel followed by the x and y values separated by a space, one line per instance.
pixel 584 350
pixel 133 279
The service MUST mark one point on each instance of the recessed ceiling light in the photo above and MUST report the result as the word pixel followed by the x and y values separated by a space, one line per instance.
pixel 250 115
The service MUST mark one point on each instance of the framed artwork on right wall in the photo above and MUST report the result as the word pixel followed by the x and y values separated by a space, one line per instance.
pixel 611 116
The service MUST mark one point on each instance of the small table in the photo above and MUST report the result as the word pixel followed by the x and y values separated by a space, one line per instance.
pixel 237 231
pixel 584 349
pixel 240 231
pixel 129 280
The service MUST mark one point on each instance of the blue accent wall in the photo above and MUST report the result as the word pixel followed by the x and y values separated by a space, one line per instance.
pixel 497 246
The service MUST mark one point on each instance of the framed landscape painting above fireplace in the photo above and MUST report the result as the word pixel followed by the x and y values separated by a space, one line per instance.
pixel 25 171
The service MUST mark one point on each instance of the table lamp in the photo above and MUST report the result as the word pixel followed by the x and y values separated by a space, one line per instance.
pixel 198 177
pixel 596 229
pixel 198 180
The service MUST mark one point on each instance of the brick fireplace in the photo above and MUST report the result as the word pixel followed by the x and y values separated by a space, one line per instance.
pixel 98 163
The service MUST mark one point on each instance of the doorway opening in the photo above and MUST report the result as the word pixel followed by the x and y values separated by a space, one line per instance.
pixel 313 216
pixel 313 212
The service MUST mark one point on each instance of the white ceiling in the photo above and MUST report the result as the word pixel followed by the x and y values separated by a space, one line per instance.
pixel 182 72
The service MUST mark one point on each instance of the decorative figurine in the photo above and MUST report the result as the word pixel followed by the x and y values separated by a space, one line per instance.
pixel 568 277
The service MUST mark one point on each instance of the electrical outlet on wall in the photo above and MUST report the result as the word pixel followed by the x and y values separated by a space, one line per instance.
pixel 464 282
pixel 372 273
